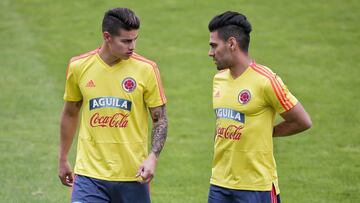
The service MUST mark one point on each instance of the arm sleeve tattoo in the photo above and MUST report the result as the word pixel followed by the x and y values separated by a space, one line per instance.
pixel 159 130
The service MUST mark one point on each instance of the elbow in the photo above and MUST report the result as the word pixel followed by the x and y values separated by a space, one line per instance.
pixel 307 123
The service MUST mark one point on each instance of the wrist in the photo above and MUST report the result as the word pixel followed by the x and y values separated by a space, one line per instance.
pixel 63 159
pixel 153 156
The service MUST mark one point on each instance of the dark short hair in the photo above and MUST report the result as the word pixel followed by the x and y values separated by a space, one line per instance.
pixel 120 18
pixel 232 24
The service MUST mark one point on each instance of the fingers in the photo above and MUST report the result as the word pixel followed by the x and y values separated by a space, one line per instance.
pixel 67 179
pixel 146 170
pixel 140 171
pixel 64 181
pixel 146 176
pixel 147 180
pixel 70 179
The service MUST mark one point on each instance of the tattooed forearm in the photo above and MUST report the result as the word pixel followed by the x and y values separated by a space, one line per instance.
pixel 159 131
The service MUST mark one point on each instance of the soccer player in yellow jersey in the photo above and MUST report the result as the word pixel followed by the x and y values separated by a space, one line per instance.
pixel 246 98
pixel 111 90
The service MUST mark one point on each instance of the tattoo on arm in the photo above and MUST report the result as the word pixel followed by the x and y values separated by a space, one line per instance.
pixel 159 131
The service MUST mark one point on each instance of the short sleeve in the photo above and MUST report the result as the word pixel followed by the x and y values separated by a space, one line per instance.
pixel 72 90
pixel 154 93
pixel 278 95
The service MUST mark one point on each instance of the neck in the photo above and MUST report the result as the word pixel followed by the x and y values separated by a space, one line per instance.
pixel 107 57
pixel 240 66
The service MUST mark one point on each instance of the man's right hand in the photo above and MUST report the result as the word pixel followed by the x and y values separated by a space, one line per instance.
pixel 65 173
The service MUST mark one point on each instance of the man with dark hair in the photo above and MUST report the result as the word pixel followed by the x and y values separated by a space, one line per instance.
pixel 114 88
pixel 246 97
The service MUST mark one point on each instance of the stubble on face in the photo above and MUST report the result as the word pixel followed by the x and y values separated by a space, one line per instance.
pixel 218 51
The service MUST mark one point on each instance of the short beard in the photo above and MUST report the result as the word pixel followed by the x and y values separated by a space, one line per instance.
pixel 222 66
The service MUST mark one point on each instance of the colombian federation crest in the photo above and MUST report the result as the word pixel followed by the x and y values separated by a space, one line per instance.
pixel 244 96
pixel 129 84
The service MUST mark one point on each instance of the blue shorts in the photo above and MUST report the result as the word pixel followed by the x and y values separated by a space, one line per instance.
pixel 224 195
pixel 92 190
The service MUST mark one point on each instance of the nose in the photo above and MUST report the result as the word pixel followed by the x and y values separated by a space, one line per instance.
pixel 211 53
pixel 132 45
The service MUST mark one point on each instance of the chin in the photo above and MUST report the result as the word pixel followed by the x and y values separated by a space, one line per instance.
pixel 220 68
pixel 121 56
pixel 124 57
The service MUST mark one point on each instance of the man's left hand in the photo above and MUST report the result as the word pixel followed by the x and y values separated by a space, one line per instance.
pixel 147 169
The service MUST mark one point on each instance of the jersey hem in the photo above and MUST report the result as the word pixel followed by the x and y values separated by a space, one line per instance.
pixel 106 178
pixel 243 187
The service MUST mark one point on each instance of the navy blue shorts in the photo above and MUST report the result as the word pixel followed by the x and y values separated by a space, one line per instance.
pixel 92 190
pixel 224 195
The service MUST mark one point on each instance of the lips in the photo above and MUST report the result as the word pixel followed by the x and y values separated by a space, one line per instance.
pixel 129 53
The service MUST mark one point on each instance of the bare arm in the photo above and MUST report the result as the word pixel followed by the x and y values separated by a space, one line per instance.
pixel 158 138
pixel 159 131
pixel 68 125
pixel 295 120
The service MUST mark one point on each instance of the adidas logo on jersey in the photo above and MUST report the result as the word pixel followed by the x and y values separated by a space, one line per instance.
pixel 90 84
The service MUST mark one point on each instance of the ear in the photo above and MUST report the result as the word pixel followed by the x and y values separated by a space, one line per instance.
pixel 232 43
pixel 106 36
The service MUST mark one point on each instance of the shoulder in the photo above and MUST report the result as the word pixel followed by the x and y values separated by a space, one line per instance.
pixel 143 62
pixel 263 71
pixel 265 77
pixel 79 60
pixel 271 80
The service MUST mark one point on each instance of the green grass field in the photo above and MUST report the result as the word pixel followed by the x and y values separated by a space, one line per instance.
pixel 313 45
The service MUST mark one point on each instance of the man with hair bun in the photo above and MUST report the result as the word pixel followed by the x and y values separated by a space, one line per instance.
pixel 112 89
pixel 246 98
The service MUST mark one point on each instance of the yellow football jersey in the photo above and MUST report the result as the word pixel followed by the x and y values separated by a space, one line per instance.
pixel 245 110
pixel 113 134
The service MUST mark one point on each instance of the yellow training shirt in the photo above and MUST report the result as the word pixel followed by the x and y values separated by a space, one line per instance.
pixel 245 110
pixel 113 134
